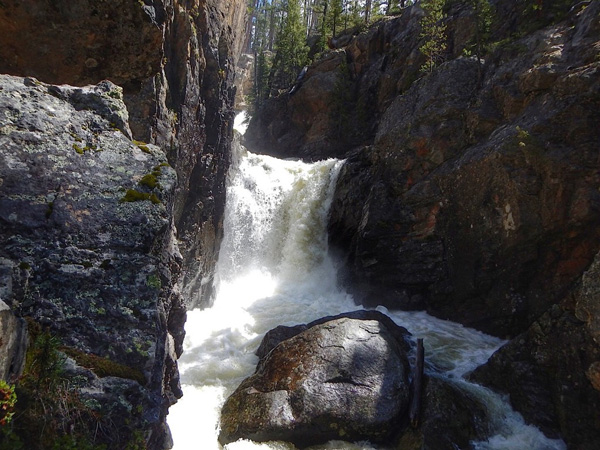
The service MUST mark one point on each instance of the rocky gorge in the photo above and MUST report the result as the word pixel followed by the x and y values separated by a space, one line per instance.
pixel 472 191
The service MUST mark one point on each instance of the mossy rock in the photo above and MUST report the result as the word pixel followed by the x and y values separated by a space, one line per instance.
pixel 136 196
pixel 104 367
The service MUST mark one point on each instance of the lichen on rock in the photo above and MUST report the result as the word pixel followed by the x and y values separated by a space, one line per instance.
pixel 81 257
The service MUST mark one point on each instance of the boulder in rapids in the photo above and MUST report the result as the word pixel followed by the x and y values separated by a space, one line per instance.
pixel 343 379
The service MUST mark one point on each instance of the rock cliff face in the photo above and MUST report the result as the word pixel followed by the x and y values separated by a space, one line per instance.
pixel 471 191
pixel 111 197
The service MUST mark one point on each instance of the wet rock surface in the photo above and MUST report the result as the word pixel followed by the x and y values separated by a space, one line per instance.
pixel 551 370
pixel 451 418
pixel 342 379
pixel 347 378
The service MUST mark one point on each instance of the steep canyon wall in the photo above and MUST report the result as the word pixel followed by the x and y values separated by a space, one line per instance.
pixel 111 196
pixel 472 191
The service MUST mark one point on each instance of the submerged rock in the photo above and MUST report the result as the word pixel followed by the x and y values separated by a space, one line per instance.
pixel 451 418
pixel 344 379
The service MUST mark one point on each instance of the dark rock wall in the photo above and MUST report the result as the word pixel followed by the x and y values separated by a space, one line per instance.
pixel 550 369
pixel 471 192
pixel 113 278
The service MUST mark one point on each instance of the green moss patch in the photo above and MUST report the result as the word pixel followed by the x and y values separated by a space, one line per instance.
pixel 150 180
pixel 104 367
pixel 136 196
pixel 142 146
pixel 82 150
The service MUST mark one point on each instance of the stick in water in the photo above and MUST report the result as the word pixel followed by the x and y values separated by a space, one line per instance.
pixel 417 386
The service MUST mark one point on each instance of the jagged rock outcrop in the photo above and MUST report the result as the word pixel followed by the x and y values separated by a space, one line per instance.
pixel 472 191
pixel 110 271
pixel 176 63
pixel 87 236
pixel 552 371
pixel 346 377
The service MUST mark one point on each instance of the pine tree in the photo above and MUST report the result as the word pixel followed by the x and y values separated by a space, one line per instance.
pixel 262 68
pixel 433 30
pixel 290 46
pixel 334 16
pixel 483 20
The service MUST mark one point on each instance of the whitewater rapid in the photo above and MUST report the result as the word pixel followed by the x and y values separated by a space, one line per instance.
pixel 274 269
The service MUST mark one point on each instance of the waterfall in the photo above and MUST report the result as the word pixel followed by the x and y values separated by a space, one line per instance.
pixel 274 269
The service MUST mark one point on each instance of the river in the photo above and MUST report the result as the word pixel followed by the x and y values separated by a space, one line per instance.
pixel 274 269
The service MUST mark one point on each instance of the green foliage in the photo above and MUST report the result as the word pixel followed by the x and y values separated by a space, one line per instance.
pixel 433 31
pixel 343 102
pixel 136 196
pixel 153 282
pixel 137 441
pixel 51 413
pixel 44 362
pixel 48 408
pixel 484 17
pixel 541 13
pixel 8 400
pixel 104 367
pixel 334 16
pixel 291 49
pixel 261 79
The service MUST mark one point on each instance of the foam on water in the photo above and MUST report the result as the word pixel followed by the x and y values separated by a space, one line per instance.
pixel 274 269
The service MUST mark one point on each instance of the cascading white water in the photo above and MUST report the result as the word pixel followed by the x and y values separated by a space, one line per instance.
pixel 274 269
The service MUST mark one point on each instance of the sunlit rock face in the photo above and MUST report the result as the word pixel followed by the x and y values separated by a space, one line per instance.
pixel 342 379
pixel 176 63
pixel 102 268
pixel 86 238
pixel 346 378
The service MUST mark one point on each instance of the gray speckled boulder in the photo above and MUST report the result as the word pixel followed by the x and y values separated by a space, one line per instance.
pixel 342 379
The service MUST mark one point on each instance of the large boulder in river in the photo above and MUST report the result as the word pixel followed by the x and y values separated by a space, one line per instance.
pixel 343 379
